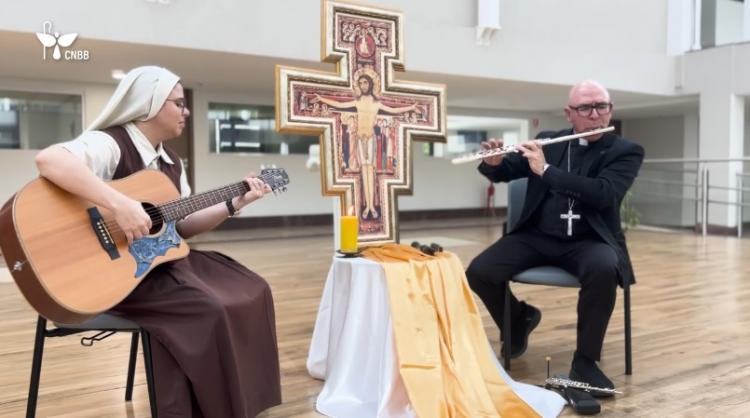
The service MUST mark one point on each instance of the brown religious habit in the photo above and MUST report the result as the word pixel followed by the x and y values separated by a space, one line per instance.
pixel 212 325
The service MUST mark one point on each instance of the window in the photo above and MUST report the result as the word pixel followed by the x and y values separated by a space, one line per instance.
pixel 31 120
pixel 251 129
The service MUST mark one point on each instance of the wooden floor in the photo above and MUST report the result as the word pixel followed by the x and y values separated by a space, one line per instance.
pixel 691 330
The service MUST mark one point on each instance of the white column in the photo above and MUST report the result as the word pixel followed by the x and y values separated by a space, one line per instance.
pixel 488 20
pixel 690 150
pixel 722 136
pixel 696 25
pixel 683 26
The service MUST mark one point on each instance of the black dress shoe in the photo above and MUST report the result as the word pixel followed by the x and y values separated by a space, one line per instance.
pixel 585 370
pixel 519 332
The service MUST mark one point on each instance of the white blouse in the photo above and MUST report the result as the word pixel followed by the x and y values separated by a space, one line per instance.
pixel 101 154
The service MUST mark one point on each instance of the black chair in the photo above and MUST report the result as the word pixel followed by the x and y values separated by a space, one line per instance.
pixel 548 276
pixel 107 325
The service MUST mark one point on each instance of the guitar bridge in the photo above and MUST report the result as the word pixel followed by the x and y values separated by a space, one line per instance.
pixel 102 233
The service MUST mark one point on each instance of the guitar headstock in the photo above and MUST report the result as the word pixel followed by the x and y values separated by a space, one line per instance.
pixel 276 178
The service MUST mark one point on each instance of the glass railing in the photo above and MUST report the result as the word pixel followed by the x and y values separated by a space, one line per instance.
pixel 680 193
pixel 666 195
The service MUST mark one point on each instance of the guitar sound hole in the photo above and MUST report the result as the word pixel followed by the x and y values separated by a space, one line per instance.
pixel 157 220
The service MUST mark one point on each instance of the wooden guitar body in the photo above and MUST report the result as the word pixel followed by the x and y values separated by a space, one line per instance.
pixel 69 258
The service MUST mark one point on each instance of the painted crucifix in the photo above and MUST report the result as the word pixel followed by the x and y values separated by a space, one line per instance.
pixel 365 118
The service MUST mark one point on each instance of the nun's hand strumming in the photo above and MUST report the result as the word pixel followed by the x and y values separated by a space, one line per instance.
pixel 131 218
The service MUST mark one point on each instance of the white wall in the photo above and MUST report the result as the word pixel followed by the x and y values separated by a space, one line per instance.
pixel 661 137
pixel 660 203
pixel 691 131
pixel 540 38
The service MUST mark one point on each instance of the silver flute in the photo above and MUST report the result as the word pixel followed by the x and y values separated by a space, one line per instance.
pixel 567 383
pixel 507 149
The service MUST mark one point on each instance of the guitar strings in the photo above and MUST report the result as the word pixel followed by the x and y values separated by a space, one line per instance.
pixel 156 213
pixel 158 210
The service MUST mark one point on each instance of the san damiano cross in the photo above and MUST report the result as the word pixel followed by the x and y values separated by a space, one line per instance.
pixel 365 118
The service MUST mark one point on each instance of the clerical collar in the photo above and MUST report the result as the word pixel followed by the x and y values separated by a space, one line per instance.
pixel 582 142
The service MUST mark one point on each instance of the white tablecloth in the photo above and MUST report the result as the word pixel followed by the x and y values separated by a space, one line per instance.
pixel 352 350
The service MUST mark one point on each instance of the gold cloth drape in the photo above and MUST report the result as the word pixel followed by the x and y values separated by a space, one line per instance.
pixel 443 355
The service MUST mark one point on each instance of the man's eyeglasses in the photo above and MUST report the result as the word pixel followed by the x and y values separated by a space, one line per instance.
pixel 584 110
pixel 180 103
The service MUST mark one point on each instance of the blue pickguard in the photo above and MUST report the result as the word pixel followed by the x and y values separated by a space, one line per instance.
pixel 145 250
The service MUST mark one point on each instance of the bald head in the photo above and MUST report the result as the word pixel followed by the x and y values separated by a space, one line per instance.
pixel 584 89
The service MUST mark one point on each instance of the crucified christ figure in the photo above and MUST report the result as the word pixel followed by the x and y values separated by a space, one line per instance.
pixel 367 106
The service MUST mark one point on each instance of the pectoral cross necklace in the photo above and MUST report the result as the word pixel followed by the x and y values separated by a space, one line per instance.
pixel 570 216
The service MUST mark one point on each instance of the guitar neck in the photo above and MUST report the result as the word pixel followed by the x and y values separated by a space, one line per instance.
pixel 180 208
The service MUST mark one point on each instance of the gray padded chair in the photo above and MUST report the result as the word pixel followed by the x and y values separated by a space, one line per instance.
pixel 106 324
pixel 548 276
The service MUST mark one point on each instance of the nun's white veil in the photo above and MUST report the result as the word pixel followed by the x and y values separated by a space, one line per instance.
pixel 138 97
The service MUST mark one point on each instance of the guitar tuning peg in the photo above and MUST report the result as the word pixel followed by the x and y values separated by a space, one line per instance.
pixel 273 165
pixel 262 166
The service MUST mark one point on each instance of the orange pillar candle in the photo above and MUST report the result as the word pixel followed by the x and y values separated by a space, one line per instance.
pixel 349 232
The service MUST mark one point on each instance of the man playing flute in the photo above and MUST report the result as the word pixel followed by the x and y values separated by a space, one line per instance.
pixel 570 219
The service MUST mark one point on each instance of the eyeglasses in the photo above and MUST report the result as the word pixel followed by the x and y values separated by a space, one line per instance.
pixel 602 108
pixel 180 103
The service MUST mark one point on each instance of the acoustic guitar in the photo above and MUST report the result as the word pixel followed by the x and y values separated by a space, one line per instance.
pixel 69 257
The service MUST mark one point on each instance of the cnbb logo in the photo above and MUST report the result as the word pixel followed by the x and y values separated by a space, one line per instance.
pixel 50 39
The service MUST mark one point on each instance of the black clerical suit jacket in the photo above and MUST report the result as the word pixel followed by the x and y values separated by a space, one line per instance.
pixel 608 170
